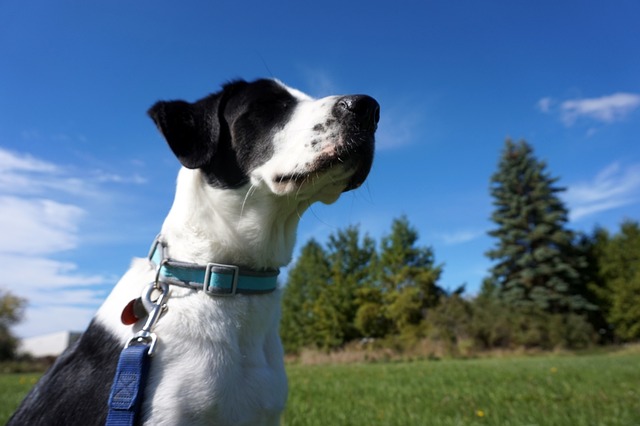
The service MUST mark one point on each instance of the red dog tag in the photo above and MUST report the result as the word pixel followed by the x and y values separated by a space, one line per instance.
pixel 128 316
pixel 134 311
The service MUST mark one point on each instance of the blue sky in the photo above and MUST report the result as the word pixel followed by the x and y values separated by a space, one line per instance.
pixel 85 178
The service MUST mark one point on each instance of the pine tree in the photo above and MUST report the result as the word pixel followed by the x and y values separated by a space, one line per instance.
pixel 351 259
pixel 320 300
pixel 593 247
pixel 537 266
pixel 306 281
pixel 407 277
pixel 620 269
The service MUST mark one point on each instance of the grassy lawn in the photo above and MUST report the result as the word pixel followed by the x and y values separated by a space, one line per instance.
pixel 572 391
pixel 13 387
pixel 551 390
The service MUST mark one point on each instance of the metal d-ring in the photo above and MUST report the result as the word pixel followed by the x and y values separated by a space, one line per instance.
pixel 145 335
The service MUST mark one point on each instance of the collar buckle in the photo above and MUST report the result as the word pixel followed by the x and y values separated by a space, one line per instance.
pixel 220 272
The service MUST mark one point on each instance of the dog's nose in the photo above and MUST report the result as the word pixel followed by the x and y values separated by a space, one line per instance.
pixel 363 108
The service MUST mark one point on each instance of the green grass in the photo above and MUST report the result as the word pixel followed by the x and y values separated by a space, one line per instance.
pixel 602 389
pixel 572 391
pixel 13 388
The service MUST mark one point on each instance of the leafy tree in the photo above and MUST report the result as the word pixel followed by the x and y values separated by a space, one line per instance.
pixel 450 322
pixel 371 321
pixel 497 324
pixel 320 301
pixel 407 277
pixel 491 326
pixel 620 269
pixel 351 259
pixel 537 267
pixel 306 281
pixel 11 312
pixel 593 247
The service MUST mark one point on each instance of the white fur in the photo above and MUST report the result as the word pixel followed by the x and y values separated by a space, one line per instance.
pixel 219 360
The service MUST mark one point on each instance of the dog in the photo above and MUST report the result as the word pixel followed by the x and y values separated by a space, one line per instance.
pixel 254 155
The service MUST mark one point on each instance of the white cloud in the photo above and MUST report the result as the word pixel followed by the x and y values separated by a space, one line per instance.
pixel 105 177
pixel 10 161
pixel 605 109
pixel 396 130
pixel 22 174
pixel 37 226
pixel 461 237
pixel 50 319
pixel 33 272
pixel 40 218
pixel 611 188
pixel 320 83
pixel 544 105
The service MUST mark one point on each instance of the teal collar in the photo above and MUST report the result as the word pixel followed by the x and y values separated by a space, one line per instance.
pixel 215 279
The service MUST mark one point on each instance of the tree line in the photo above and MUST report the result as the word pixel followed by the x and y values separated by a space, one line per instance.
pixel 549 286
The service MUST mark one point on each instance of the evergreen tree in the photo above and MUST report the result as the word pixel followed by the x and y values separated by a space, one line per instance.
pixel 307 280
pixel 593 247
pixel 407 277
pixel 537 266
pixel 450 321
pixel 351 259
pixel 620 269
pixel 320 300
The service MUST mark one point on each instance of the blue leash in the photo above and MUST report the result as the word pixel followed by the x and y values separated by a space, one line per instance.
pixel 128 388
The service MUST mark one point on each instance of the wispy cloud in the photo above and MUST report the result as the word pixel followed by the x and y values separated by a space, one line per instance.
pixel 22 174
pixel 613 187
pixel 103 177
pixel 42 207
pixel 397 129
pixel 461 236
pixel 37 226
pixel 605 109
pixel 319 83
pixel 53 318
pixel 545 104
pixel 10 161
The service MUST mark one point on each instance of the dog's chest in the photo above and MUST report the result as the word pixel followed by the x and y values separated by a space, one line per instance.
pixel 220 362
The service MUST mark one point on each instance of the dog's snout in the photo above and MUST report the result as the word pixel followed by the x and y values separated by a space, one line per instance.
pixel 364 109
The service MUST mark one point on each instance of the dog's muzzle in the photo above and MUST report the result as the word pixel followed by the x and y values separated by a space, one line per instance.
pixel 359 115
pixel 362 110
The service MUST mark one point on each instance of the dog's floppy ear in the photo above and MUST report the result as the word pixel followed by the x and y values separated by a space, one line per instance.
pixel 192 130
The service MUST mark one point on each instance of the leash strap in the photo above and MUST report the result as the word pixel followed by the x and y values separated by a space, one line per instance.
pixel 127 391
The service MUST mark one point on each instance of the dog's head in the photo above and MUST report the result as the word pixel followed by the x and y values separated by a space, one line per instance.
pixel 267 134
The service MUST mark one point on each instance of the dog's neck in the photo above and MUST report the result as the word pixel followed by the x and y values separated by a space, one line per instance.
pixel 248 226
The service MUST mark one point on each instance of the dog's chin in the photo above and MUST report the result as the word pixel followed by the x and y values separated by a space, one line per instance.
pixel 323 183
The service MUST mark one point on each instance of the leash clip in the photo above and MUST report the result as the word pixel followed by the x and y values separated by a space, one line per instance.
pixel 146 336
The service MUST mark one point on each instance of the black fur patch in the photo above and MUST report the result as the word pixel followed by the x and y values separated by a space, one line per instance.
pixel 227 134
pixel 75 390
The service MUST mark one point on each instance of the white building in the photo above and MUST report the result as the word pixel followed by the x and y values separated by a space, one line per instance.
pixel 49 344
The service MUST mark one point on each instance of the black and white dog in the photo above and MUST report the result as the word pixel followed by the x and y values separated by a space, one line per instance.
pixel 255 156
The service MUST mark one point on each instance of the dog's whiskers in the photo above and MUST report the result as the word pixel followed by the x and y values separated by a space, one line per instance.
pixel 251 190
